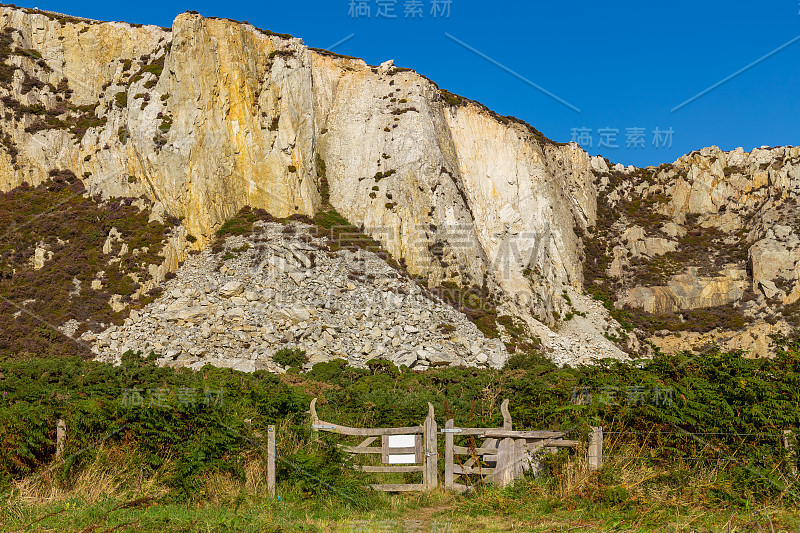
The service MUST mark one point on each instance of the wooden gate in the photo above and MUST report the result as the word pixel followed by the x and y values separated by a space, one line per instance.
pixel 418 454
pixel 503 456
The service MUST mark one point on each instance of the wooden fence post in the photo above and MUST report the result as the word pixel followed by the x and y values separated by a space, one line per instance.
pixel 449 476
pixel 595 449
pixel 506 460
pixel 789 445
pixel 314 417
pixel 507 424
pixel 431 471
pixel 271 461
pixel 61 435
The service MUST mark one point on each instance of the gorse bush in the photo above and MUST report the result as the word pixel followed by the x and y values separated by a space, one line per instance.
pixel 193 422
pixel 290 357
pixel 317 467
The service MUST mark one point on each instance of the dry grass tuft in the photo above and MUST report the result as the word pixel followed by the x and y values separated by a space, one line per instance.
pixel 110 475
pixel 223 488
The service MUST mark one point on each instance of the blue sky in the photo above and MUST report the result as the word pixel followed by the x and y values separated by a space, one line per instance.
pixel 624 65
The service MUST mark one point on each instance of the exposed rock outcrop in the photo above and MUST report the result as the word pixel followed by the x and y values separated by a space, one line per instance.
pixel 707 247
pixel 212 115
pixel 689 291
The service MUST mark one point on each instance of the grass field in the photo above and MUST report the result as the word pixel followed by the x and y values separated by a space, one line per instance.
pixel 623 496
pixel 518 508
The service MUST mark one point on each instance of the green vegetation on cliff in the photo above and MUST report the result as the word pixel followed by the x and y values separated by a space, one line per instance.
pixel 51 252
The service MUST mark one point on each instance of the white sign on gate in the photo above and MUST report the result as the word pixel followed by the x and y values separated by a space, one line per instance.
pixel 402 441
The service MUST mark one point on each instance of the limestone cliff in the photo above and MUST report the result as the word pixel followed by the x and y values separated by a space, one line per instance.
pixel 213 115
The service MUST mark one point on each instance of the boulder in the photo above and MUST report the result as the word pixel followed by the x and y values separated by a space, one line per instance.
pixel 232 288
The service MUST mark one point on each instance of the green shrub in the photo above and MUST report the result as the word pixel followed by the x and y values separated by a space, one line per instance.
pixel 450 98
pixel 530 361
pixel 321 468
pixel 380 175
pixel 290 357
pixel 242 222
pixel 29 52
pixel 155 68
pixel 718 394
pixel 382 366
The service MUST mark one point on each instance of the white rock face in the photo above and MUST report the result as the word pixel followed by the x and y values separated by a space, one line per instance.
pixel 241 117
pixel 40 256
pixel 212 115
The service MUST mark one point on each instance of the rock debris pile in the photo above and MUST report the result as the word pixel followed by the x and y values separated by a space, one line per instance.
pixel 280 288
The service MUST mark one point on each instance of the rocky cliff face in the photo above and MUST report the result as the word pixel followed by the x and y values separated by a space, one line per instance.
pixel 704 250
pixel 213 115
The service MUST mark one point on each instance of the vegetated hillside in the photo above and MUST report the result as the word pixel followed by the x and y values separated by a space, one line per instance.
pixel 69 264
pixel 177 430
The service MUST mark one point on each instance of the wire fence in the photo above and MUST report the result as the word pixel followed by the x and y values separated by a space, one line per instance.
pixel 605 456
pixel 714 450
pixel 687 433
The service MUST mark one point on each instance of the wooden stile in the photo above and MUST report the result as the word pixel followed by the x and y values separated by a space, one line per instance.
pixel 507 423
pixel 449 453
pixel 503 456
